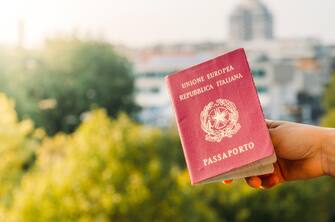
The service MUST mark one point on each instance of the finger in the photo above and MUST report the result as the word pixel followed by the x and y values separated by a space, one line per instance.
pixel 269 181
pixel 274 123
pixel 271 123
pixel 254 181
pixel 227 181
pixel 278 171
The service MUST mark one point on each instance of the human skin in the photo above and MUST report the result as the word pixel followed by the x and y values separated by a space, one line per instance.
pixel 303 152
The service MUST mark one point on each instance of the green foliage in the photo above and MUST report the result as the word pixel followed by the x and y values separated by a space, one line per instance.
pixel 329 104
pixel 117 170
pixel 108 171
pixel 55 85
pixel 328 119
pixel 329 95
pixel 18 142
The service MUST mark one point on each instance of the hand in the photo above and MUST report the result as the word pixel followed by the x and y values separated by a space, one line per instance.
pixel 303 152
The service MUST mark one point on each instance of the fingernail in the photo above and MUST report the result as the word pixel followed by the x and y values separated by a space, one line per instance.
pixel 227 181
pixel 256 182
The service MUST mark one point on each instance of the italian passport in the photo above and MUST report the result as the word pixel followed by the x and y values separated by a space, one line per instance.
pixel 220 120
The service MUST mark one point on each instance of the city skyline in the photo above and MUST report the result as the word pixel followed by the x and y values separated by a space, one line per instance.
pixel 137 23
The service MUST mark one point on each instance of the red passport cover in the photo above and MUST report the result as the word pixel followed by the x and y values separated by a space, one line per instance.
pixel 219 117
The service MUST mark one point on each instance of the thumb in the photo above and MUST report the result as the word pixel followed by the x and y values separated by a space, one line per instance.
pixel 272 123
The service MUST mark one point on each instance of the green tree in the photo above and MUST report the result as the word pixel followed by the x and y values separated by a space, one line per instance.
pixel 67 77
pixel 116 170
pixel 294 201
pixel 329 104
pixel 109 171
pixel 18 142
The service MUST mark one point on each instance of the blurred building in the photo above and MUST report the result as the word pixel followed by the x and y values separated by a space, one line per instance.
pixel 251 20
pixel 290 74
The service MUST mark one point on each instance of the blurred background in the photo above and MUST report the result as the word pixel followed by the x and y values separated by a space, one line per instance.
pixel 87 132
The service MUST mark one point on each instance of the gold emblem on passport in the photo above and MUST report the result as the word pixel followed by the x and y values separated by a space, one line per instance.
pixel 219 119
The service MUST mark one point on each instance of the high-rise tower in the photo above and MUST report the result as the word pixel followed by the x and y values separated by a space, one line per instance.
pixel 251 20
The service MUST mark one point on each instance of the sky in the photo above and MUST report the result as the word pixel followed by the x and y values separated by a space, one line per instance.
pixel 138 23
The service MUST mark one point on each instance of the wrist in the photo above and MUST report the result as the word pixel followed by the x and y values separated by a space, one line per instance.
pixel 328 152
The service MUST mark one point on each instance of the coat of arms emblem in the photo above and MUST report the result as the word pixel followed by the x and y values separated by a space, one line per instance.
pixel 219 119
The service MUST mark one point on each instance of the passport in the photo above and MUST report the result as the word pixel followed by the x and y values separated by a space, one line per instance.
pixel 220 120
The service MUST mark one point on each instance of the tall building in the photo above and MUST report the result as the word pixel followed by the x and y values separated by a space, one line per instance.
pixel 251 20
